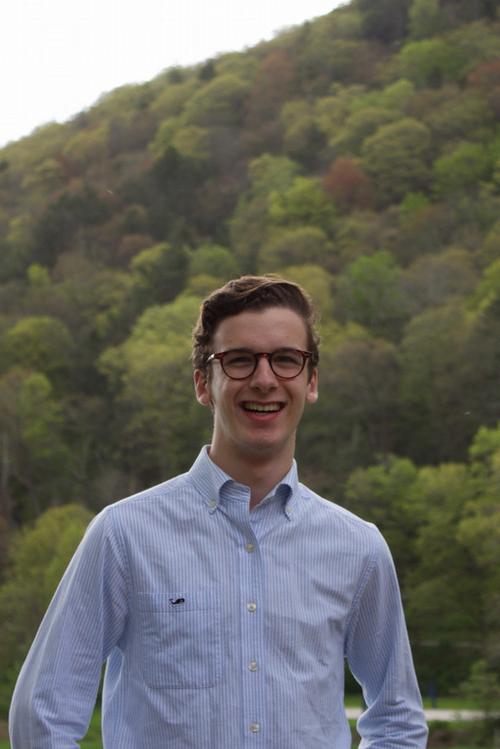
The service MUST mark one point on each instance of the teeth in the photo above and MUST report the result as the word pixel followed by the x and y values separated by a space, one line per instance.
pixel 262 407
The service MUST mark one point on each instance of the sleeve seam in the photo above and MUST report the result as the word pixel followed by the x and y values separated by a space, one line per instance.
pixel 363 582
pixel 116 530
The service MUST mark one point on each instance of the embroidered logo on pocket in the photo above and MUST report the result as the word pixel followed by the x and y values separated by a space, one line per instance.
pixel 181 639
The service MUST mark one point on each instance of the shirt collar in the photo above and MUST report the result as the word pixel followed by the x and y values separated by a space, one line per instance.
pixel 216 486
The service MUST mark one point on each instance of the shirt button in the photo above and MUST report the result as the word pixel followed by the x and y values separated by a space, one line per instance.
pixel 255 727
pixel 251 607
pixel 212 503
pixel 253 666
pixel 249 547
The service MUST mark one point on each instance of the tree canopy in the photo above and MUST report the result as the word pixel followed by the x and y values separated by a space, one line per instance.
pixel 359 154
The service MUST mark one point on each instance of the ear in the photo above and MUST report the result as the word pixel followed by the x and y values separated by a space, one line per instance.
pixel 312 387
pixel 202 388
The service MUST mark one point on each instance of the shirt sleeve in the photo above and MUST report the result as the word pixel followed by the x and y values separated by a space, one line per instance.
pixel 56 690
pixel 379 657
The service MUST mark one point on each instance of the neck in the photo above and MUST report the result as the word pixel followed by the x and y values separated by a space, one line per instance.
pixel 258 473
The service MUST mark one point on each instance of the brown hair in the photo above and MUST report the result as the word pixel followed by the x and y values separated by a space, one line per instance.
pixel 251 293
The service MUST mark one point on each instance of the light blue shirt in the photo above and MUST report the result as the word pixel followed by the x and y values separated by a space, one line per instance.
pixel 222 628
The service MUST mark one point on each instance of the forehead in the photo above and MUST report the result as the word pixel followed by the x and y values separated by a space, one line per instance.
pixel 261 330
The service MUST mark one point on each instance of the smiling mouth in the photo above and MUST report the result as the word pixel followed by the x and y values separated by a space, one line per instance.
pixel 262 408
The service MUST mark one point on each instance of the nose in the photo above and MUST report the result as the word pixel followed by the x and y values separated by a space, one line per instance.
pixel 263 377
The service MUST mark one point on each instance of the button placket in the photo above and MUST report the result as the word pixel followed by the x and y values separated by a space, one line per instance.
pixel 252 589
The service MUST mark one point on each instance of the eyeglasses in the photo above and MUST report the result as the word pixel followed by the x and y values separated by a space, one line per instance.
pixel 238 364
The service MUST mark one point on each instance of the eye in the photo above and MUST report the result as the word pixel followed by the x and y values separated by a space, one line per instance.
pixel 287 358
pixel 238 359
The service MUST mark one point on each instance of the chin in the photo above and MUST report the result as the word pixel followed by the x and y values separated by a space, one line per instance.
pixel 263 447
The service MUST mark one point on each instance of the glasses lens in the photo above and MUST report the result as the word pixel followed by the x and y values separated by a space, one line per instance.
pixel 238 364
pixel 287 362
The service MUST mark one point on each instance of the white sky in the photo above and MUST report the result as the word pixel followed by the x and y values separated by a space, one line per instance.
pixel 58 56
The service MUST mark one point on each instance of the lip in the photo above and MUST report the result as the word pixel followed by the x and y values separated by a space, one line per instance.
pixel 262 416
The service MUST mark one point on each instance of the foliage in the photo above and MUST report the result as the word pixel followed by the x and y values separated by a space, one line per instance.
pixel 369 293
pixel 159 272
pixel 295 246
pixel 357 154
pixel 37 342
pixel 483 685
pixel 425 18
pixel 304 203
pixel 214 260
pixel 396 157
pixel 431 62
pixel 385 20
pixel 348 185
pixel 218 102
pixel 462 169
pixel 37 558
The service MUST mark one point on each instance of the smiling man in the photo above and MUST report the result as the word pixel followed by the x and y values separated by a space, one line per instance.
pixel 226 601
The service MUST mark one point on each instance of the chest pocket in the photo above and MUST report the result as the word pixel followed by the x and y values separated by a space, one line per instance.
pixel 180 639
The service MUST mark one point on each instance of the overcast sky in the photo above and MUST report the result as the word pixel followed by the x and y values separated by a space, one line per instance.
pixel 59 56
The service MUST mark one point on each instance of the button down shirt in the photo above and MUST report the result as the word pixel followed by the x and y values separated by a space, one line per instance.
pixel 221 627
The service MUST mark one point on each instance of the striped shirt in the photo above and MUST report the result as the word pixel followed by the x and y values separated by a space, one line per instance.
pixel 222 628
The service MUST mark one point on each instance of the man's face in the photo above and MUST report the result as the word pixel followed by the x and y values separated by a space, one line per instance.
pixel 241 431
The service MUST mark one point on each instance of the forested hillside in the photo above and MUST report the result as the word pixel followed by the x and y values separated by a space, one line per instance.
pixel 359 155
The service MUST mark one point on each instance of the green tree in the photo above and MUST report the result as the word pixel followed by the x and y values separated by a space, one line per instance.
pixel 483 686
pixel 482 351
pixel 160 424
pixel 443 610
pixel 369 292
pixel 269 173
pixel 36 462
pixel 425 18
pixel 479 532
pixel 431 279
pixel 302 139
pixel 431 62
pixel 248 225
pixel 318 283
pixel 37 342
pixel 385 20
pixel 296 246
pixel 218 102
pixel 38 557
pixel 160 272
pixel 173 97
pixel 71 212
pixel 304 203
pixel 462 169
pixel 459 116
pixel 359 125
pixel 171 193
pixel 381 494
pixel 214 260
pixel 88 145
pixel 17 247
pixel 356 422
pixel 192 141
pixel 397 157
pixel 439 414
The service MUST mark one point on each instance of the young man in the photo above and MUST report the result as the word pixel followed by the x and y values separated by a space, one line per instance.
pixel 226 600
